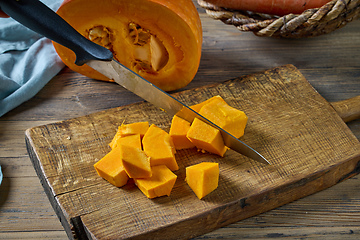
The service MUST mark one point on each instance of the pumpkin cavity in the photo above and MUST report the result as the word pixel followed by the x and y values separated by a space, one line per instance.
pixel 149 53
pixel 101 35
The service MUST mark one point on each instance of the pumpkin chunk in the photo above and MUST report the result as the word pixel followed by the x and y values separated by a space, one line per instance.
pixel 228 118
pixel 135 162
pixel 206 137
pixel 133 128
pixel 198 106
pixel 203 178
pixel 129 129
pixel 178 130
pixel 130 140
pixel 159 184
pixel 110 168
pixel 158 145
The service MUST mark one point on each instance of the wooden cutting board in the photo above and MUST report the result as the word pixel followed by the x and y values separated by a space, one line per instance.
pixel 309 146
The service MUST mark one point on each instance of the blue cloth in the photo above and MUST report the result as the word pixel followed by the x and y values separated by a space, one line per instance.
pixel 1 176
pixel 28 61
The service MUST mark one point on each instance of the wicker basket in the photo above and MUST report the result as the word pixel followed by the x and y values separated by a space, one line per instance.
pixel 312 22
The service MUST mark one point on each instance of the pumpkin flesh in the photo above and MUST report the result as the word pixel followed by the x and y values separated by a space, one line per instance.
pixel 203 178
pixel 135 162
pixel 178 130
pixel 206 137
pixel 228 118
pixel 159 184
pixel 110 168
pixel 131 140
pixel 158 145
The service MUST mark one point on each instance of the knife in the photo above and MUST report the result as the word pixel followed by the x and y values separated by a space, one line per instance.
pixel 41 19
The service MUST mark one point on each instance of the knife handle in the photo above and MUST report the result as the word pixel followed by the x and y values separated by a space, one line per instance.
pixel 43 20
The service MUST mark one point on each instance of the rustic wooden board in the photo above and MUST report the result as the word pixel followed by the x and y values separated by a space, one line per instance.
pixel 308 144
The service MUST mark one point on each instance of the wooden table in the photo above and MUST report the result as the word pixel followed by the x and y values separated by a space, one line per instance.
pixel 331 63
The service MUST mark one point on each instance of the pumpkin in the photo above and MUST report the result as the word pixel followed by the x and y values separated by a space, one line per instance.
pixel 215 109
pixel 198 106
pixel 110 168
pixel 203 178
pixel 128 130
pixel 158 145
pixel 133 128
pixel 178 130
pixel 135 162
pixel 206 137
pixel 228 118
pixel 158 39
pixel 131 140
pixel 159 184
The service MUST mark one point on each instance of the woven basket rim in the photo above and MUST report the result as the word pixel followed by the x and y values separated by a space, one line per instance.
pixel 312 22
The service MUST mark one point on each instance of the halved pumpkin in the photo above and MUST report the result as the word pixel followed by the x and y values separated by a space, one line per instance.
pixel 158 39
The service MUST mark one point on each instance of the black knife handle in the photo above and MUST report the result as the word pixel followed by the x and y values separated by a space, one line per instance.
pixel 41 19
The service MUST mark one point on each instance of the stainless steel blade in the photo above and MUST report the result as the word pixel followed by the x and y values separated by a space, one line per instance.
pixel 151 93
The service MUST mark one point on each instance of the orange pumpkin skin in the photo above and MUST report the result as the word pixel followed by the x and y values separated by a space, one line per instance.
pixel 175 24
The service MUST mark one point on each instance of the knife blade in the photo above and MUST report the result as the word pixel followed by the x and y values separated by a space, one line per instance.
pixel 38 17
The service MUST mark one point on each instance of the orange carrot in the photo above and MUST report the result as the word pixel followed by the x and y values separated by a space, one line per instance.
pixel 274 7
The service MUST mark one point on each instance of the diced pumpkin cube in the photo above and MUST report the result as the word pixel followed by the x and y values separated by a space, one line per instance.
pixel 159 146
pixel 206 137
pixel 135 162
pixel 178 130
pixel 110 168
pixel 198 106
pixel 203 178
pixel 130 140
pixel 159 184
pixel 228 118
pixel 115 139
pixel 134 128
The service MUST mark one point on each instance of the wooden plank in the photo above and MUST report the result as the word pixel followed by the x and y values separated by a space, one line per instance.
pixel 54 235
pixel 309 146
pixel 307 218
pixel 24 207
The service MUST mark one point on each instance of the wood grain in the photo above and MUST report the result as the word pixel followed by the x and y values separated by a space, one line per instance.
pixel 331 63
pixel 297 130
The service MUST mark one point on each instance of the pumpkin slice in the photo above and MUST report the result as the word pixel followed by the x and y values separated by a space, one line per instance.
pixel 110 168
pixel 135 162
pixel 158 145
pixel 164 48
pixel 130 140
pixel 206 137
pixel 203 178
pixel 178 130
pixel 228 118
pixel 159 184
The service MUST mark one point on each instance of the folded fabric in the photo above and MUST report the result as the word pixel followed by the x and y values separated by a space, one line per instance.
pixel 28 61
pixel 1 176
